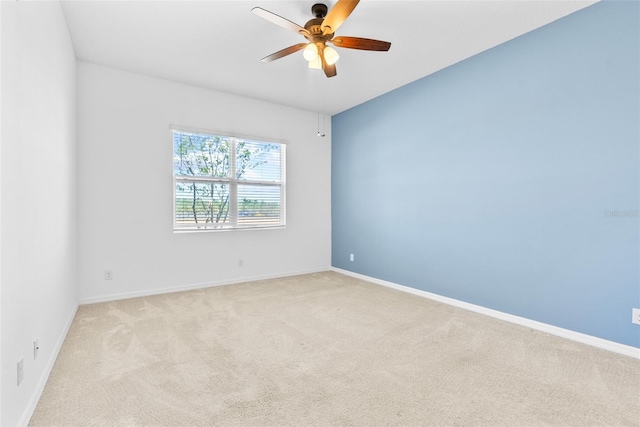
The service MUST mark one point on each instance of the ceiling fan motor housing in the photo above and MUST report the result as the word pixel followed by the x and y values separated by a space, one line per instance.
pixel 314 27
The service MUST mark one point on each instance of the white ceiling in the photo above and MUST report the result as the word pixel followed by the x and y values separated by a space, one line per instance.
pixel 218 44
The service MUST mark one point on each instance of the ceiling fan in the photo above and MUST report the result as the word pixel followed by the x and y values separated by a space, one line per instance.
pixel 319 32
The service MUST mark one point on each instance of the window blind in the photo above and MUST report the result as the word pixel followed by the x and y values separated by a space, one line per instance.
pixel 223 182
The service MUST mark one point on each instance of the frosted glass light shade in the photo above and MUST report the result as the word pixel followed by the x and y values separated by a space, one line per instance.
pixel 310 52
pixel 330 55
pixel 316 64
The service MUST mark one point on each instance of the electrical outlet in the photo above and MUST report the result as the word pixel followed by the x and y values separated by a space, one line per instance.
pixel 636 316
pixel 240 262
pixel 20 371
pixel 35 348
pixel 352 257
pixel 108 275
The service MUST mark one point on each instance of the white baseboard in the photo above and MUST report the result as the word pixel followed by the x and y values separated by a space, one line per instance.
pixel 37 393
pixel 544 327
pixel 189 287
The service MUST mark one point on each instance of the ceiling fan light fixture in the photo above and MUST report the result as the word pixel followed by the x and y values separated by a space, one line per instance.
pixel 316 64
pixel 318 32
pixel 310 52
pixel 330 55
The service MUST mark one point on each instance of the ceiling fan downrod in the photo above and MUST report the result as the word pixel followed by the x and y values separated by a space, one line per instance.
pixel 319 10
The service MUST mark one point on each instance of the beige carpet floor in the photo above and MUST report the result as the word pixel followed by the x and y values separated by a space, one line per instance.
pixel 324 350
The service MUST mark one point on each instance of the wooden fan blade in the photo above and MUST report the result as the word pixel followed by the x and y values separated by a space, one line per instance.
pixel 360 43
pixel 330 70
pixel 279 20
pixel 284 52
pixel 337 15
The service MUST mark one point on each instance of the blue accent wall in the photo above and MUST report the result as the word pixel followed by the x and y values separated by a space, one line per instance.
pixel 509 180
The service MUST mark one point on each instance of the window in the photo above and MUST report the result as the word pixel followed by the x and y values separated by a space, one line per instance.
pixel 222 182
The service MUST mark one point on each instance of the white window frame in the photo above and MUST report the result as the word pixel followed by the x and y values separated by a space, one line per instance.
pixel 233 182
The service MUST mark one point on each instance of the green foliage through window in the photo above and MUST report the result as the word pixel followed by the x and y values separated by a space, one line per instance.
pixel 223 182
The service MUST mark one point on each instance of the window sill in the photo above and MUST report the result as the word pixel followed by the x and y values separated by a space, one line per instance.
pixel 217 230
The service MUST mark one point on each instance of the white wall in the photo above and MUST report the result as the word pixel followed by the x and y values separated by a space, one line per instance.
pixel 0 213
pixel 125 188
pixel 38 192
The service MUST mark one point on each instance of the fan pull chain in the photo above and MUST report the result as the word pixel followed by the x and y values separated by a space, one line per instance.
pixel 320 135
